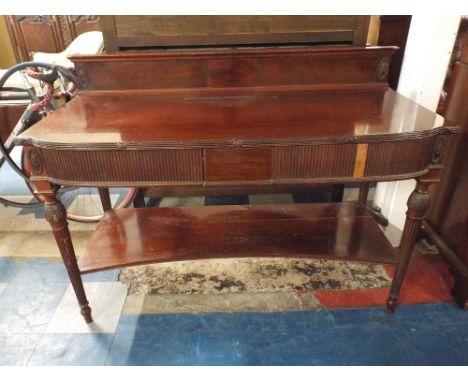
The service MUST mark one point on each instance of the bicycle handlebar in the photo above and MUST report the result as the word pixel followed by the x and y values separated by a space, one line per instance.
pixel 49 79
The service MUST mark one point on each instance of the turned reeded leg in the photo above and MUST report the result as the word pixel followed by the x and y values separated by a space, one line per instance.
pixel 56 215
pixel 418 204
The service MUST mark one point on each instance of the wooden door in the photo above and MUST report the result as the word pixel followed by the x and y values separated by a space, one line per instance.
pixel 49 34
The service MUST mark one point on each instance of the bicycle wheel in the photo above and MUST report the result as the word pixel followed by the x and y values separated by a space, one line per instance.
pixel 84 205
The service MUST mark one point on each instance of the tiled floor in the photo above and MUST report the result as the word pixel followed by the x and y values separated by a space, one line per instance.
pixel 40 322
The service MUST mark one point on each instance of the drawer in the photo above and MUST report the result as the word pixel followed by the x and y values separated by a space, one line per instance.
pixel 315 161
pixel 237 164
pixel 124 166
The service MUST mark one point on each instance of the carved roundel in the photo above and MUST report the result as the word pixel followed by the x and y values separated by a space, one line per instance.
pixel 35 162
pixel 438 149
pixel 382 70
pixel 82 75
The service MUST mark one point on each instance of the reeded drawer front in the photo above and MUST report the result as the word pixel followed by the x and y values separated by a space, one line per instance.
pixel 163 165
pixel 317 161
pixel 399 157
pixel 346 161
pixel 320 161
pixel 238 164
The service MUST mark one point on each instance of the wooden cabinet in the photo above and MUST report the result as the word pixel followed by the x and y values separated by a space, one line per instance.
pixel 50 34
pixel 394 31
pixel 134 32
pixel 449 213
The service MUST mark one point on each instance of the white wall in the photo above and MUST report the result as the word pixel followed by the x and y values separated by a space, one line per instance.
pixel 428 50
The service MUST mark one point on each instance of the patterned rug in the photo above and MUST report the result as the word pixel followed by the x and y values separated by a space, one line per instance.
pixel 251 275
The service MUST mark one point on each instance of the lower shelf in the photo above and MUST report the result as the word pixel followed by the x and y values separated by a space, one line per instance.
pixel 335 231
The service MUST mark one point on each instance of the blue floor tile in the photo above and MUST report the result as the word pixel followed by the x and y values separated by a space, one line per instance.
pixel 422 334
pixel 8 269
pixel 43 271
pixel 327 337
pixel 226 200
pixel 148 340
pixel 72 350
pixel 147 348
pixel 32 270
pixel 31 296
pixel 16 349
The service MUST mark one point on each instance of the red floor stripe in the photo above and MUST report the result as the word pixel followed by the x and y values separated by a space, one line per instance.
pixel 428 280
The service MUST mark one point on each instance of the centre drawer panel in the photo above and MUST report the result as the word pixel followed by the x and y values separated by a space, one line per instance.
pixel 279 162
pixel 238 164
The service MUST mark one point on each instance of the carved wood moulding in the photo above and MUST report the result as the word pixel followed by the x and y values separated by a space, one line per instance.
pixel 82 74
pixel 79 18
pixel 46 33
pixel 36 19
pixel 309 141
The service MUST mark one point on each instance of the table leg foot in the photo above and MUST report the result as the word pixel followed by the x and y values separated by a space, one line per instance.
pixel 86 313
pixel 392 303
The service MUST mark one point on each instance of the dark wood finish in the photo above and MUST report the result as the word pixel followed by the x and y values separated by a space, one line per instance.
pixel 418 203
pixel 139 199
pixel 78 24
pixel 130 32
pixel 9 116
pixel 259 128
pixel 105 199
pixel 449 212
pixel 50 34
pixel 114 143
pixel 88 167
pixel 236 68
pixel 364 118
pixel 455 81
pixel 237 164
pixel 446 251
pixel 56 215
pixel 394 31
pixel 109 33
pixel 363 193
pixel 243 189
pixel 34 34
pixel 343 231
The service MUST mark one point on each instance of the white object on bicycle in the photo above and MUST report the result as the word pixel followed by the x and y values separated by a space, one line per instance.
pixel 85 43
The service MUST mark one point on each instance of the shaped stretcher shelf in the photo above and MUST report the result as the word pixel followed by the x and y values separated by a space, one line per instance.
pixel 335 231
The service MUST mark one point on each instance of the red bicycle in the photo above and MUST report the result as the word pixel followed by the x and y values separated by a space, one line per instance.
pixel 45 88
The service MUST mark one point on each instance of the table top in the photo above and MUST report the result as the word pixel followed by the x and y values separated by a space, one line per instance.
pixel 231 118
